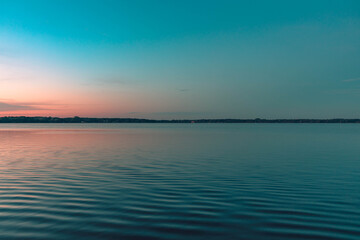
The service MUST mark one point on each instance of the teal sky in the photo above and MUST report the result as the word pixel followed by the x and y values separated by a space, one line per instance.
pixel 180 59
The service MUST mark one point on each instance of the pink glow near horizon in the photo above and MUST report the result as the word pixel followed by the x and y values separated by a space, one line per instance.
pixel 30 93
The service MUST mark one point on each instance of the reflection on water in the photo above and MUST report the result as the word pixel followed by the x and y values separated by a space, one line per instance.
pixel 191 181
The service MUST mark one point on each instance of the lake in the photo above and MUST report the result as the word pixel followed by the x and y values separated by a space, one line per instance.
pixel 179 181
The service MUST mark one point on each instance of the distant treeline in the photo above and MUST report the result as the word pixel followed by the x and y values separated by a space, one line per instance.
pixel 138 120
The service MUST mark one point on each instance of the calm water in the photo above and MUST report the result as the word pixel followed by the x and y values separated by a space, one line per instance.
pixel 181 181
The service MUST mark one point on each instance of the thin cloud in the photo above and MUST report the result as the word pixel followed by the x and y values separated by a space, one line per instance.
pixel 352 80
pixel 6 107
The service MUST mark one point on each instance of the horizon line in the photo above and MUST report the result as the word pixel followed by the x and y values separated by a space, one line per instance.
pixel 77 119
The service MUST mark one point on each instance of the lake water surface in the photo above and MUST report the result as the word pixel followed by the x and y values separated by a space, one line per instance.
pixel 180 181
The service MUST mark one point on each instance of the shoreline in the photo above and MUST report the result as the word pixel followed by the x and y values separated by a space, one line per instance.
pixel 22 119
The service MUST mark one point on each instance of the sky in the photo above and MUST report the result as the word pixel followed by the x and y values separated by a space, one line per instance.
pixel 180 59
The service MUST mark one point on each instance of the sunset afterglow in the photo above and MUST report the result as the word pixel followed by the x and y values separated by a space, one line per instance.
pixel 134 59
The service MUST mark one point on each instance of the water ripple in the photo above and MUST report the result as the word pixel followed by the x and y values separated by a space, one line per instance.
pixel 210 182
